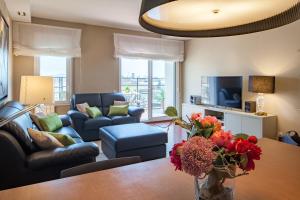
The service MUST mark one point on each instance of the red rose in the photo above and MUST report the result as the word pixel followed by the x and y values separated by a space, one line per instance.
pixel 252 139
pixel 254 152
pixel 250 165
pixel 242 146
pixel 175 155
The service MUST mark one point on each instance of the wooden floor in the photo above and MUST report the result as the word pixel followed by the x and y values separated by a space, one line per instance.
pixel 175 134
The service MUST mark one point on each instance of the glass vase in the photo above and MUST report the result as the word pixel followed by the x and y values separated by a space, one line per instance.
pixel 214 187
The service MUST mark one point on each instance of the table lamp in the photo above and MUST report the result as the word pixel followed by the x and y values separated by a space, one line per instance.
pixel 36 90
pixel 261 85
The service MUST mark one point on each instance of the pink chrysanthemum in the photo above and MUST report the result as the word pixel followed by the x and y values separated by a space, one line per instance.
pixel 197 156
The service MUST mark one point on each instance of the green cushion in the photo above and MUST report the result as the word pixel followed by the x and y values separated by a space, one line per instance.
pixel 51 122
pixel 66 140
pixel 118 110
pixel 93 112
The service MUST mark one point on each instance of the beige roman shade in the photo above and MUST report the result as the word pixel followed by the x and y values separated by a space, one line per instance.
pixel 42 40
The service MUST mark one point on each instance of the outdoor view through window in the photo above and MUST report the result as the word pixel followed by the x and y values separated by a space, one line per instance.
pixel 57 67
pixel 149 84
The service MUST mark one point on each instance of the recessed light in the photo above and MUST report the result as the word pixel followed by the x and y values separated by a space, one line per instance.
pixel 216 11
pixel 22 13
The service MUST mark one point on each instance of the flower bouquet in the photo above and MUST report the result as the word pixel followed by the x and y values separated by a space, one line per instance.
pixel 213 155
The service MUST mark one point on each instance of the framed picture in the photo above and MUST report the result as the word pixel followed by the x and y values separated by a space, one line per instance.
pixel 4 51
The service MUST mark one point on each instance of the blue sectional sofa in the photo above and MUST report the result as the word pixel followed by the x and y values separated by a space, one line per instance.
pixel 88 128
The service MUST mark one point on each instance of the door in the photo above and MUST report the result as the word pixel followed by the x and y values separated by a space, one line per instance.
pixel 150 84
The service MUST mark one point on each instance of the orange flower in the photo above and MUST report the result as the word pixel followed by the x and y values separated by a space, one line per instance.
pixel 196 116
pixel 208 121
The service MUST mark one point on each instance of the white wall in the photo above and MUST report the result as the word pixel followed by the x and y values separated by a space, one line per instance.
pixel 273 52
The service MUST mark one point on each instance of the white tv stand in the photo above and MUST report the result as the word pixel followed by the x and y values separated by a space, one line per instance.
pixel 237 121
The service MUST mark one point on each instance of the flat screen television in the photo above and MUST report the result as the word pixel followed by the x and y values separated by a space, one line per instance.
pixel 222 91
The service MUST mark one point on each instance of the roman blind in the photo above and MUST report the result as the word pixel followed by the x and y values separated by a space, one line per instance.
pixel 148 47
pixel 43 40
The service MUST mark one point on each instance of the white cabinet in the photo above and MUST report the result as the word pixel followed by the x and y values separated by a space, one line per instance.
pixel 252 126
pixel 238 121
pixel 232 122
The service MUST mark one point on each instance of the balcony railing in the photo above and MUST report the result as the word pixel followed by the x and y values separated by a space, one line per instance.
pixel 136 91
pixel 60 88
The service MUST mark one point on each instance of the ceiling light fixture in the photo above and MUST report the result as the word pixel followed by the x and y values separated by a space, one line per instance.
pixel 214 18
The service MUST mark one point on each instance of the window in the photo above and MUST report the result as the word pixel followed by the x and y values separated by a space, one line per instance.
pixel 150 84
pixel 60 69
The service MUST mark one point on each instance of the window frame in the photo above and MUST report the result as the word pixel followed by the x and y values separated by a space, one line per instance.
pixel 69 76
pixel 177 92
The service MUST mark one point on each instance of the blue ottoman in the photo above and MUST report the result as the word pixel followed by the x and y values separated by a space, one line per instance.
pixel 138 139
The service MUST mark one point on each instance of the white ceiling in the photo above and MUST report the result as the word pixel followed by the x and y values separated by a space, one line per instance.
pixel 112 13
pixel 15 6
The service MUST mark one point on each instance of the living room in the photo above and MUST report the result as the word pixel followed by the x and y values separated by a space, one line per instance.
pixel 126 87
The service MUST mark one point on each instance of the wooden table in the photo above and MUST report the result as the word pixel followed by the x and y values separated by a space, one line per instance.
pixel 277 176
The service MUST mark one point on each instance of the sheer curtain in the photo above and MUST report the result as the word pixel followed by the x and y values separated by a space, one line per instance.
pixel 38 40
pixel 148 48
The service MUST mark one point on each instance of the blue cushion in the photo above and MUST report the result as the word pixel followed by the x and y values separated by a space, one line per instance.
pixel 287 139
pixel 122 119
pixel 92 99
pixel 95 124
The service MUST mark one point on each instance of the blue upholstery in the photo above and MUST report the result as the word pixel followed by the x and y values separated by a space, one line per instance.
pixel 88 128
pixel 136 139
pixel 288 139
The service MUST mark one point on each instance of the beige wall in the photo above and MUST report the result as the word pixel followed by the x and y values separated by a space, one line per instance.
pixel 96 71
pixel 6 15
pixel 274 52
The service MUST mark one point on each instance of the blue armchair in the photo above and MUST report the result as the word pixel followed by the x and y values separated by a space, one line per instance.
pixel 88 128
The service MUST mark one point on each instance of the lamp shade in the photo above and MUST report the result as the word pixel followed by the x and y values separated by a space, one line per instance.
pixel 261 84
pixel 36 90
pixel 214 18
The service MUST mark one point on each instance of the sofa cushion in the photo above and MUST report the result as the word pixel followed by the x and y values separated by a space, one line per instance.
pixel 116 120
pixel 65 139
pixel 93 112
pixel 132 136
pixel 44 140
pixel 92 124
pixel 18 127
pixel 120 110
pixel 108 100
pixel 51 122
pixel 92 99
pixel 68 131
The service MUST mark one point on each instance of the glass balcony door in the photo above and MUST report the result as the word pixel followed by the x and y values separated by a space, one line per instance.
pixel 149 84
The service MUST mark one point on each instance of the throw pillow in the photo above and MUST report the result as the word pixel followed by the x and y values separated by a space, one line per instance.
pixel 44 140
pixel 35 118
pixel 120 110
pixel 93 112
pixel 66 140
pixel 51 122
pixel 82 107
pixel 119 103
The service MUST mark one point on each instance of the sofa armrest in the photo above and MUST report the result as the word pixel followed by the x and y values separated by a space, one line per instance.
pixel 74 114
pixel 62 156
pixel 135 111
pixel 66 120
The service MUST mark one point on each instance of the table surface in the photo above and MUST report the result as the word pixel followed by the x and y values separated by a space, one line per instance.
pixel 277 176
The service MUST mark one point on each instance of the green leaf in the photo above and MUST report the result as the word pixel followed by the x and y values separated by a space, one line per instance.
pixel 207 132
pixel 171 111
pixel 241 135
pixel 244 160
pixel 198 124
